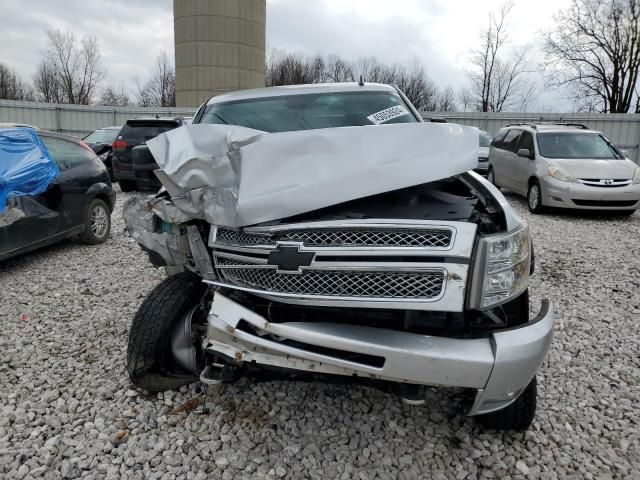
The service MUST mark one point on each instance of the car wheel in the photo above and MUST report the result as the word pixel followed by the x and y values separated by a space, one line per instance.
pixel 518 416
pixel 491 176
pixel 151 357
pixel 127 185
pixel 97 222
pixel 534 197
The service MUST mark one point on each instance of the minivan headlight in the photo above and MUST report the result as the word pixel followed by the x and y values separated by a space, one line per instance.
pixel 502 269
pixel 561 175
pixel 636 176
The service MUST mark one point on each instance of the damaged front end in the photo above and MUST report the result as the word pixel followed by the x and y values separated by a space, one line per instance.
pixel 417 277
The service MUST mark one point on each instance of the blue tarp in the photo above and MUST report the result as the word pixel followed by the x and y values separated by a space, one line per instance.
pixel 26 168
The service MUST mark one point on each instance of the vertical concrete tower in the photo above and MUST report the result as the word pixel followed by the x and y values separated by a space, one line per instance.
pixel 220 46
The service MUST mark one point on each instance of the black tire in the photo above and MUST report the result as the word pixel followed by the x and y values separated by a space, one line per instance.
pixel 534 197
pixel 127 185
pixel 150 363
pixel 97 222
pixel 491 176
pixel 518 416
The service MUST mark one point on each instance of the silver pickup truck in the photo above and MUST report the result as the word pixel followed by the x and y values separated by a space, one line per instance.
pixel 327 231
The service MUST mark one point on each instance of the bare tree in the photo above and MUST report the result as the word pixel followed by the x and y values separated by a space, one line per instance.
pixel 12 87
pixel 115 96
pixel 160 89
pixel 594 49
pixel 71 70
pixel 446 100
pixel 46 84
pixel 286 68
pixel 499 78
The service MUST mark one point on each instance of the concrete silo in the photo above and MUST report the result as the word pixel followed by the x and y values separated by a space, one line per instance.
pixel 220 46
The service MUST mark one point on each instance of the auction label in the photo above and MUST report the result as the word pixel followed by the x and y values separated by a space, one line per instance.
pixel 387 114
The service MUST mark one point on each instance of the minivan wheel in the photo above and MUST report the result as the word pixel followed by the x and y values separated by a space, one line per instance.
pixel 151 362
pixel 491 176
pixel 534 197
pixel 127 185
pixel 518 416
pixel 97 223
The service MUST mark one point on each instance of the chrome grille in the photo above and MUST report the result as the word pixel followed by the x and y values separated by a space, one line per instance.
pixel 229 236
pixel 364 284
pixel 343 237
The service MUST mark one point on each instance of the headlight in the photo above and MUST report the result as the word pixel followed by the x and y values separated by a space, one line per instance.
pixel 502 268
pixel 636 176
pixel 561 175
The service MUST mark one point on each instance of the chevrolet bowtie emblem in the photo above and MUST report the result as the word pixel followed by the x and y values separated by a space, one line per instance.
pixel 289 258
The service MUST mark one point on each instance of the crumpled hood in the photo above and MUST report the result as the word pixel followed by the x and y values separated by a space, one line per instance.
pixel 236 176
pixel 579 168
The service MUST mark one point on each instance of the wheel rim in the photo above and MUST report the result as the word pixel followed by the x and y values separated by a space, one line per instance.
pixel 99 220
pixel 534 196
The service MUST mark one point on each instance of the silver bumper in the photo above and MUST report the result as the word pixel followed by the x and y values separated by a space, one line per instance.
pixel 499 367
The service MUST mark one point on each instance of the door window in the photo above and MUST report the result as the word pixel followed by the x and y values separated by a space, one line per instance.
pixel 510 142
pixel 65 153
pixel 526 141
pixel 497 140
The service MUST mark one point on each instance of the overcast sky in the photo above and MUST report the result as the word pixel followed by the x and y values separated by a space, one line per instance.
pixel 130 33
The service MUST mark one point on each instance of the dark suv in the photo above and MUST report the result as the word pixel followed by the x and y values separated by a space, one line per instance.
pixel 137 172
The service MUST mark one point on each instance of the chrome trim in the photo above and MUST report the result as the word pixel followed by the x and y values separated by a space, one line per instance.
pixel 605 182
pixel 457 246
pixel 455 272
pixel 451 298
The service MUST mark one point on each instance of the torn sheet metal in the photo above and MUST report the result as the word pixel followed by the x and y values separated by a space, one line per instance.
pixel 138 214
pixel 26 168
pixel 236 176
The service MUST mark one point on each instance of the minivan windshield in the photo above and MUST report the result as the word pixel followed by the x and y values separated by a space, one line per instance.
pixel 576 145
pixel 287 113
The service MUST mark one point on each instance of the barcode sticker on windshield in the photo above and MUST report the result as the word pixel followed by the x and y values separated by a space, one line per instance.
pixel 387 114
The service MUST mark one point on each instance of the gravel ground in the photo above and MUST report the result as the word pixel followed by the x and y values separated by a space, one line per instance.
pixel 68 410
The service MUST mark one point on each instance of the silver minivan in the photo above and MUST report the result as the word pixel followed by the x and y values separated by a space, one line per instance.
pixel 565 166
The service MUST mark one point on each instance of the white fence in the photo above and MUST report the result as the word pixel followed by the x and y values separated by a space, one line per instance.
pixel 623 129
pixel 78 120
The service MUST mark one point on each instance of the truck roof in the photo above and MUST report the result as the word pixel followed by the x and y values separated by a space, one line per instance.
pixel 300 90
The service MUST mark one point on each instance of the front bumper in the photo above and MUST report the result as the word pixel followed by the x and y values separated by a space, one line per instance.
pixel 498 367
pixel 556 193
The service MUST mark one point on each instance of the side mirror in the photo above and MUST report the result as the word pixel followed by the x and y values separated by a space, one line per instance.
pixel 524 152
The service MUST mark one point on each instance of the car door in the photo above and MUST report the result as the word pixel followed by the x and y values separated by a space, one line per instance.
pixel 78 172
pixel 496 156
pixel 522 166
pixel 510 144
pixel 32 220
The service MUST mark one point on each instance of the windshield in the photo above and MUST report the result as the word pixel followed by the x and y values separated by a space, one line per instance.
pixel 102 136
pixel 485 139
pixel 311 111
pixel 576 145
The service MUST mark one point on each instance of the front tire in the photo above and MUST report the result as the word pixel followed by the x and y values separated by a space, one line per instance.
pixel 97 223
pixel 518 416
pixel 150 362
pixel 534 197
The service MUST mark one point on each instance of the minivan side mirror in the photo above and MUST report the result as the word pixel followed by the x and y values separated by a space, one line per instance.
pixel 525 152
